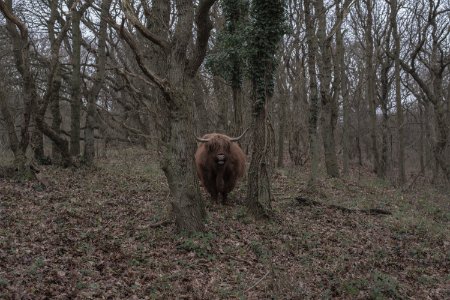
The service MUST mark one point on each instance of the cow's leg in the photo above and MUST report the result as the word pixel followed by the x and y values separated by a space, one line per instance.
pixel 214 196
pixel 224 198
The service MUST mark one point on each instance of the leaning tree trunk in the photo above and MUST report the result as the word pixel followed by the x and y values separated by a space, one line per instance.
pixel 21 50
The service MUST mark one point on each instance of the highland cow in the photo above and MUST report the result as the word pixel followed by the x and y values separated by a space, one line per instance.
pixel 220 163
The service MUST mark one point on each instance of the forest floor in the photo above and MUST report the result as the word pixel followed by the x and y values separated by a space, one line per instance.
pixel 86 235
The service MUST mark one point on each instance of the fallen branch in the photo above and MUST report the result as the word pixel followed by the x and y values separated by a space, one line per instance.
pixel 247 290
pixel 372 211
pixel 160 224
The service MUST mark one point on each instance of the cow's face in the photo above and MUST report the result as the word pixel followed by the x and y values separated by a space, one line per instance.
pixel 218 149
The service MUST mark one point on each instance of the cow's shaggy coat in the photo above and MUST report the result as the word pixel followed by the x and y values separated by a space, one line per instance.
pixel 220 163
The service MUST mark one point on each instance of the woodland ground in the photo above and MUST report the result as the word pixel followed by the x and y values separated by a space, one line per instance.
pixel 86 235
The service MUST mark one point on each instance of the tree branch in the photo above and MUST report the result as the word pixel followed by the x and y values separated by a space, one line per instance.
pixel 161 83
pixel 128 10
pixel 204 27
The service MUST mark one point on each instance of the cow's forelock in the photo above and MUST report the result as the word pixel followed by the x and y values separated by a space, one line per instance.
pixel 218 145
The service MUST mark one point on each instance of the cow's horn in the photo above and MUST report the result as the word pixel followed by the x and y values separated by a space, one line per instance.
pixel 201 140
pixel 235 139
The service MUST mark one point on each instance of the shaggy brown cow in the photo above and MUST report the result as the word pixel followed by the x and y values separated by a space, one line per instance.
pixel 220 162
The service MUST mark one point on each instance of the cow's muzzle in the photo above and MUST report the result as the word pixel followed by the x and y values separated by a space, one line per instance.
pixel 220 159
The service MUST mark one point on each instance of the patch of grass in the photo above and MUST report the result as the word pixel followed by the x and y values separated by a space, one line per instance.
pixel 200 244
pixel 261 252
pixel 427 280
pixel 411 222
pixel 3 283
pixel 241 214
pixel 376 183
pixel 354 286
pixel 418 252
pixel 37 265
pixel 81 285
pixel 380 254
pixel 384 286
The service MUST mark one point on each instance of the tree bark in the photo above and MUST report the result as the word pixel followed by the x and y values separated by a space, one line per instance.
pixel 75 97
pixel 267 18
pixel 56 119
pixel 398 100
pixel 14 144
pixel 98 79
pixel 421 139
pixel 259 196
pixel 21 50
pixel 282 122
pixel 329 104
pixel 384 102
pixel 174 78
pixel 313 96
pixel 343 80
pixel 370 89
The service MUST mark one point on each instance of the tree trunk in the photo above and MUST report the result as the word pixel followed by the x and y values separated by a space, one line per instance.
pixel 370 90
pixel 19 155
pixel 177 162
pixel 398 100
pixel 421 139
pixel 314 99
pixel 358 131
pixel 282 120
pixel 329 105
pixel 340 57
pixel 37 144
pixel 56 119
pixel 201 114
pixel 298 138
pixel 384 102
pixel 259 196
pixel 98 78
pixel 237 109
pixel 174 77
pixel 384 145
pixel 75 97
pixel 442 135
pixel 21 51
pixel 222 101
pixel 266 25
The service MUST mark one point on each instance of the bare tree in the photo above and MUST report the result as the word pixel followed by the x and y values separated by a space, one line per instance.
pixel 175 85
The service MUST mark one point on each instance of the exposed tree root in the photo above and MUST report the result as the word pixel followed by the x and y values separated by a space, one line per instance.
pixel 372 211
